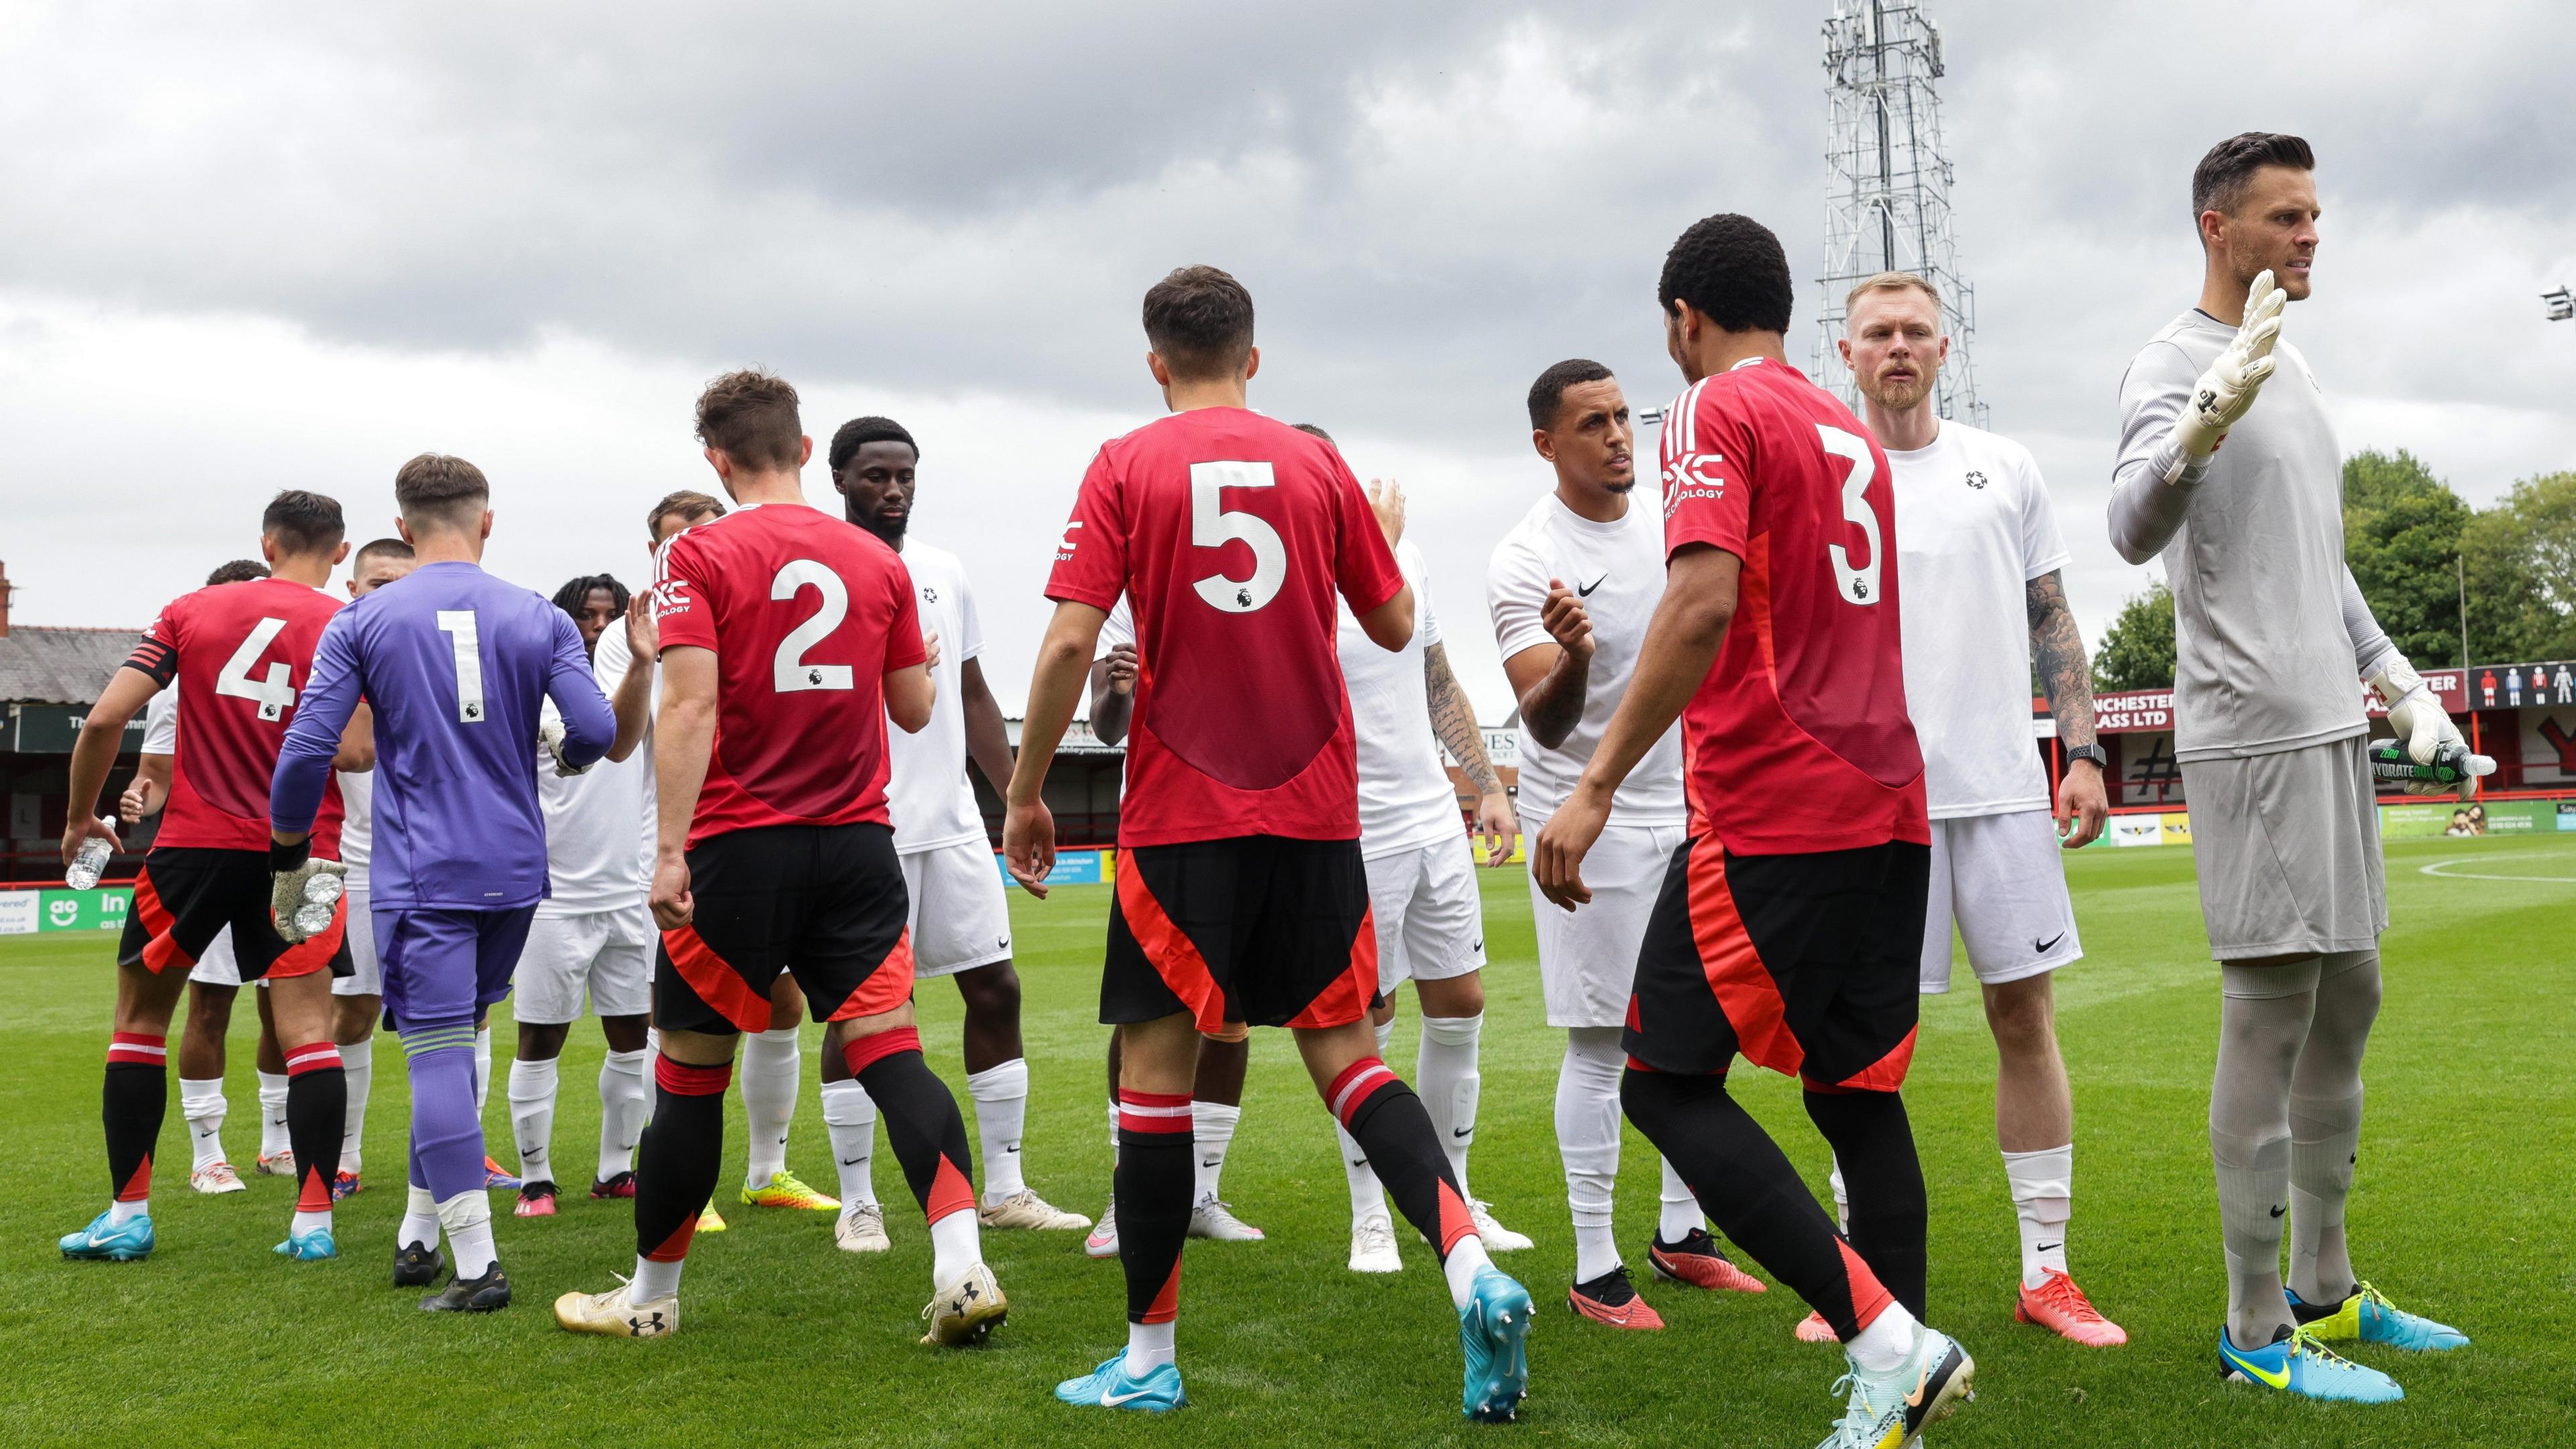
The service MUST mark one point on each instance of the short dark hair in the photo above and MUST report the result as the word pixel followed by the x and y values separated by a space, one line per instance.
pixel 1732 269
pixel 442 486
pixel 2219 181
pixel 1199 321
pixel 380 548
pixel 686 502
pixel 1315 430
pixel 750 416
pixel 1547 395
pixel 857 433
pixel 303 522
pixel 239 571
pixel 576 593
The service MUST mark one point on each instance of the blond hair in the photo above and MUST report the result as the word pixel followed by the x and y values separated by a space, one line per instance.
pixel 1891 282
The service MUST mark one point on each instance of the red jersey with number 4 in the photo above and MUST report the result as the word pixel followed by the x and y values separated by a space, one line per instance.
pixel 239 654
pixel 806 615
pixel 1798 740
pixel 1230 533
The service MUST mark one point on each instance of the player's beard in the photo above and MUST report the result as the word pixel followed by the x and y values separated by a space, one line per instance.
pixel 888 529
pixel 1900 396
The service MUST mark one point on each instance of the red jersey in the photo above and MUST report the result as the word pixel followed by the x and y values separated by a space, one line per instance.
pixel 1230 533
pixel 1798 740
pixel 240 654
pixel 806 615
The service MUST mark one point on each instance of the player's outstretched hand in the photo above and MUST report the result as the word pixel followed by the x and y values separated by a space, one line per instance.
pixel 1556 860
pixel 1122 669
pixel 1566 621
pixel 1386 499
pixel 673 905
pixel 78 832
pixel 1500 827
pixel 2227 389
pixel 2083 806
pixel 643 631
pixel 1028 845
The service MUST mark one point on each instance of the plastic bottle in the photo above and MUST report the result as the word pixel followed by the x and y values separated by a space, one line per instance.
pixel 91 863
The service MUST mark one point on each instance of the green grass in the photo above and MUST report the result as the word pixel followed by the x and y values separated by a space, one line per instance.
pixel 2461 1209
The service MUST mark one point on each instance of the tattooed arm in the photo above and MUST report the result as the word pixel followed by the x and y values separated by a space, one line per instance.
pixel 2057 649
pixel 1453 721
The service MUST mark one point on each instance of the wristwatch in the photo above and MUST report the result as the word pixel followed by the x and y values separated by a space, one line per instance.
pixel 2099 757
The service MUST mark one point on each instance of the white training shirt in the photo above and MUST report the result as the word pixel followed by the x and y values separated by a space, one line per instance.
pixel 608 664
pixel 1973 528
pixel 591 860
pixel 357 788
pixel 927 793
pixel 1406 800
pixel 1617 571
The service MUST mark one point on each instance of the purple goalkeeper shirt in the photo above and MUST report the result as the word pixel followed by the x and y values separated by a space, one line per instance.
pixel 455 663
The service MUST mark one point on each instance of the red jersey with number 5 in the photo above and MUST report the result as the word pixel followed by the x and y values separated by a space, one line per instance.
pixel 1230 533
pixel 1798 740
pixel 239 654
pixel 806 615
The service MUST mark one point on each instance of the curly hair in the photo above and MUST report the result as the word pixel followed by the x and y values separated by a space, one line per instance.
pixel 857 433
pixel 239 571
pixel 1731 268
pixel 572 596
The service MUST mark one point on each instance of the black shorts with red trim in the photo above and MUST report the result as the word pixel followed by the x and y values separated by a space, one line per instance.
pixel 823 902
pixel 184 895
pixel 1806 964
pixel 1258 929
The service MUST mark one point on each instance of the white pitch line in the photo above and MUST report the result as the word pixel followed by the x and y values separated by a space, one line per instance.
pixel 2437 869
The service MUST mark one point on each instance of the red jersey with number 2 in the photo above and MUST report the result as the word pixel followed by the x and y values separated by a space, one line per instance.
pixel 1798 740
pixel 806 614
pixel 1230 533
pixel 239 654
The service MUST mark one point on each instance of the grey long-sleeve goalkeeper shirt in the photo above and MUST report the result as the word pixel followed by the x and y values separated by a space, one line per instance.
pixel 2271 634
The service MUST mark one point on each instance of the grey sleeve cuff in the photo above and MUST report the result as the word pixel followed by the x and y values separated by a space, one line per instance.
pixel 2147 509
pixel 2370 646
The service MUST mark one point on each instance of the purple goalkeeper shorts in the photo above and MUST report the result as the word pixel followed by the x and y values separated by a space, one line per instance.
pixel 447 965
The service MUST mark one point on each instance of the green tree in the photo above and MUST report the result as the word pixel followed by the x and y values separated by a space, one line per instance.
pixel 2521 562
pixel 2137 651
pixel 2401 537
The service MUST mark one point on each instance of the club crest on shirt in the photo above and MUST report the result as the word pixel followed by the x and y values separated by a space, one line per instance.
pixel 929 595
pixel 1976 479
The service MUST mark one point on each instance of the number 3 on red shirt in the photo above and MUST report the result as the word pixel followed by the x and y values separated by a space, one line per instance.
pixel 1211 526
pixel 1859 585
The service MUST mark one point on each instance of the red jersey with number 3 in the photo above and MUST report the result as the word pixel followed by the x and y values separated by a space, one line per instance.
pixel 1230 533
pixel 239 654
pixel 806 614
pixel 1798 740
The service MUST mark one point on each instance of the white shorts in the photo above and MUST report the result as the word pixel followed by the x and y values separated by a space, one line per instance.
pixel 1430 918
pixel 2000 877
pixel 217 967
pixel 960 917
pixel 608 953
pixel 369 977
pixel 1587 959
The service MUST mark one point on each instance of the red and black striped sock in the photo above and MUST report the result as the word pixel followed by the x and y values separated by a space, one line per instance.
pixel 923 1125
pixel 1748 1188
pixel 317 1104
pixel 677 1160
pixel 1391 1125
pixel 135 1099
pixel 1157 1171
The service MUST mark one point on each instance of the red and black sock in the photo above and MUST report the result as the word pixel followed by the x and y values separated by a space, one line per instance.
pixel 1745 1183
pixel 135 1099
pixel 1390 1124
pixel 317 1106
pixel 923 1125
pixel 677 1160
pixel 1157 1174
pixel 1883 1180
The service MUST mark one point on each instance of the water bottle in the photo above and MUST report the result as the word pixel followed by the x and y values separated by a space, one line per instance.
pixel 2452 767
pixel 91 863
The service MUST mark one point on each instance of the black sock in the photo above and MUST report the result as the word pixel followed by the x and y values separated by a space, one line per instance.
pixel 1883 1181
pixel 317 1109
pixel 1750 1190
pixel 923 1125
pixel 134 1100
pixel 1389 1123
pixel 1151 1193
pixel 677 1159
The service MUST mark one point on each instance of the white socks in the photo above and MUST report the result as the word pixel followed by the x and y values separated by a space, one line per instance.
pixel 1842 1199
pixel 358 1068
pixel 1681 1212
pixel 2043 1191
pixel 120 1213
pixel 420 1220
pixel 1212 1129
pixel 1461 1267
pixel 1149 1346
pixel 1882 1347
pixel 467 1217
pixel 624 1106
pixel 272 1114
pixel 1001 1108
pixel 851 1120
pixel 1445 1076
pixel 1368 1195
pixel 201 1102
pixel 654 1280
pixel 771 1064
pixel 532 1116
pixel 482 1072
pixel 304 1222
pixel 1587 1138
pixel 1113 1129
pixel 955 1246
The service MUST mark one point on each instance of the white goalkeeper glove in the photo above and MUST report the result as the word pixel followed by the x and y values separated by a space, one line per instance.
pixel 304 890
pixel 550 734
pixel 2227 389
pixel 2421 724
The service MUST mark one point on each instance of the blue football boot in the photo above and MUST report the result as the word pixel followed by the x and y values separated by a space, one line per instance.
pixel 2368 1317
pixel 312 1247
pixel 1493 1334
pixel 2296 1363
pixel 1110 1386
pixel 100 1242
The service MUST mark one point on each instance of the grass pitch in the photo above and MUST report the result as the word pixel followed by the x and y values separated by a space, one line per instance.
pixel 2461 1209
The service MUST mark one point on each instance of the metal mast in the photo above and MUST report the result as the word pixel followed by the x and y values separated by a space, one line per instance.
pixel 1887 197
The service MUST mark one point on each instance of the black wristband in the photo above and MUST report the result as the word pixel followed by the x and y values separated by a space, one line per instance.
pixel 283 858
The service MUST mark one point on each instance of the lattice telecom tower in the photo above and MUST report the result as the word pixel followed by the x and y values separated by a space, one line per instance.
pixel 1887 202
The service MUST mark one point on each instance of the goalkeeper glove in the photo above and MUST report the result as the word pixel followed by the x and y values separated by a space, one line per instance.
pixel 550 734
pixel 304 892
pixel 2227 389
pixel 2423 727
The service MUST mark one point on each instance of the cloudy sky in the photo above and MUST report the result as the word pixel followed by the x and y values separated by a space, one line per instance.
pixel 255 246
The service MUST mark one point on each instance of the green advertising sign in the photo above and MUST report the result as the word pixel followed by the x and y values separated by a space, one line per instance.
pixel 98 910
